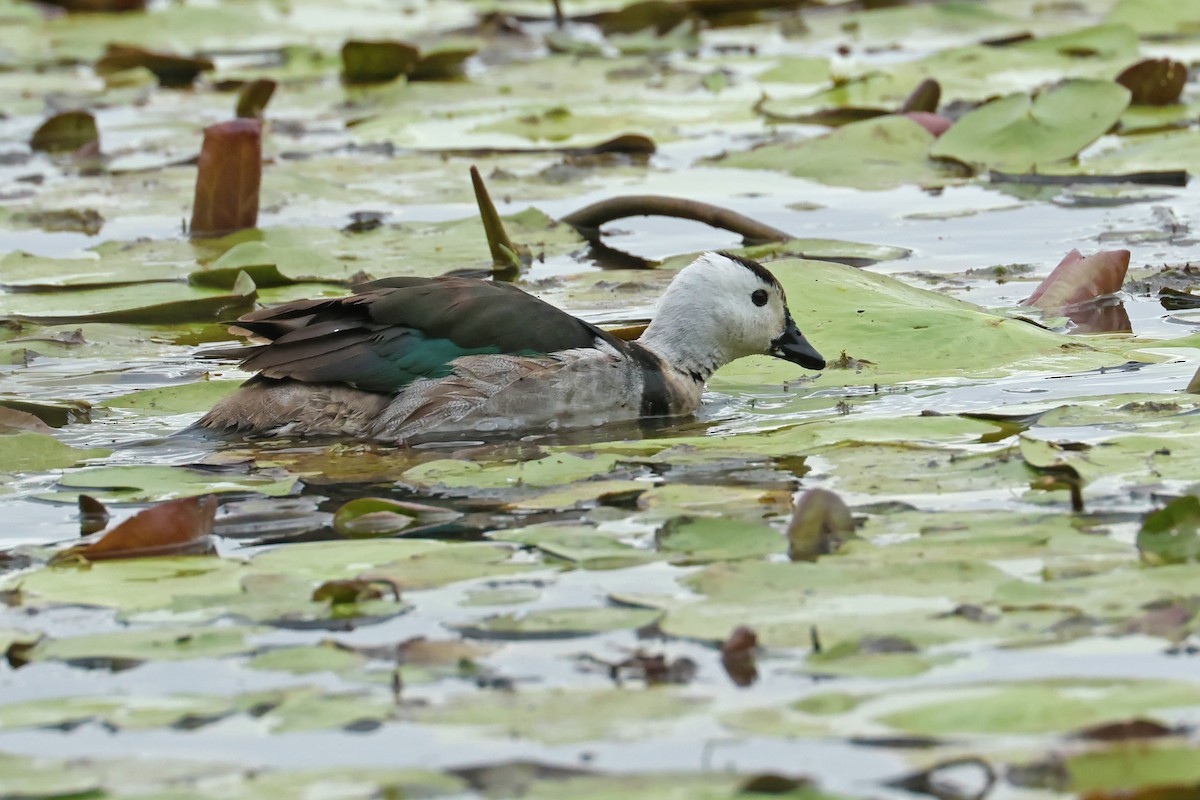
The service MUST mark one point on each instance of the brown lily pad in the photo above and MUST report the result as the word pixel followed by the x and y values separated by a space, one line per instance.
pixel 171 70
pixel 176 527
pixel 1154 81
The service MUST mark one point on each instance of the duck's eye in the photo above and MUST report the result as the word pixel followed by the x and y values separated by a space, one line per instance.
pixel 759 298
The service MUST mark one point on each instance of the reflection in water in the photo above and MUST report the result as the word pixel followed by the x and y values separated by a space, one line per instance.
pixel 1102 315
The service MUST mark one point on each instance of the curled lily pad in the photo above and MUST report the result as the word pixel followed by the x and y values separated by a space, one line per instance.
pixel 377 61
pixel 820 523
pixel 253 98
pixel 442 63
pixel 170 69
pixel 1077 279
pixel 176 527
pixel 374 516
pixel 1171 535
pixel 68 131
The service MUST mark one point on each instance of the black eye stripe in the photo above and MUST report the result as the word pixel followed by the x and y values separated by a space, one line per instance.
pixel 759 298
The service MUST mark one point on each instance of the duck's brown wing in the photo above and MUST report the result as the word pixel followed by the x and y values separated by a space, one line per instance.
pixel 398 330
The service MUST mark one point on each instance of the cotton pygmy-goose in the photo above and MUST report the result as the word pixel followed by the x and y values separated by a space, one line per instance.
pixel 407 359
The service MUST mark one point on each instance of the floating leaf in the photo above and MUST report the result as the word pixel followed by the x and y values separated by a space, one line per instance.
pixel 375 516
pixel 122 649
pixel 1039 706
pixel 561 623
pixel 442 64
pixel 55 413
pixel 36 452
pixel 14 420
pixel 563 717
pixel 170 69
pixel 820 524
pixel 176 527
pixel 1077 279
pixel 876 154
pixel 693 540
pixel 186 398
pixel 377 61
pixel 1020 132
pixel 205 307
pixel 1154 81
pixel 1171 535
pixel 253 98
pixel 739 656
pixel 68 131
pixel 150 483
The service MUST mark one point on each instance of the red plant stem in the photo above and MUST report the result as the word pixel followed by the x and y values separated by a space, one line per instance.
pixel 228 179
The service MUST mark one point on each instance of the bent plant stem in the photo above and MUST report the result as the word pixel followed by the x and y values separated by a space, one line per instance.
pixel 587 220
pixel 506 256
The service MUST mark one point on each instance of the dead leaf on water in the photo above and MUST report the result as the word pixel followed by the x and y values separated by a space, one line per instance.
pixel 176 527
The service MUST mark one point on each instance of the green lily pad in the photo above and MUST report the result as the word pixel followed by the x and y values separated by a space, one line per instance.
pixel 562 717
pixel 1156 17
pixel 1039 707
pixel 34 452
pixel 182 399
pixel 563 623
pixel 554 470
pixel 151 644
pixel 147 484
pixel 698 540
pixel 874 154
pixel 1018 133
pixel 303 660
pixel 1171 534
pixel 128 584
pixel 584 546
pixel 1125 766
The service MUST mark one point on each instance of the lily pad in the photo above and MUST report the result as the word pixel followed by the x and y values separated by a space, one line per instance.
pixel 150 644
pixel 1018 132
pixel 561 717
pixel 186 398
pixel 145 484
pixel 562 623
pixel 874 154
pixel 1039 707
pixel 28 451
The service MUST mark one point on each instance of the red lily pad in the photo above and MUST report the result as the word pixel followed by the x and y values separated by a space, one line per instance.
pixel 1077 279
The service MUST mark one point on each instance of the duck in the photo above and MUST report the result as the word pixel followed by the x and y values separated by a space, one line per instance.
pixel 405 360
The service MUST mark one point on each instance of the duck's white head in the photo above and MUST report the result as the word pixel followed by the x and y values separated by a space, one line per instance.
pixel 722 307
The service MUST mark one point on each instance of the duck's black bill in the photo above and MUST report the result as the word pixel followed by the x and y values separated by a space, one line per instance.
pixel 792 346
